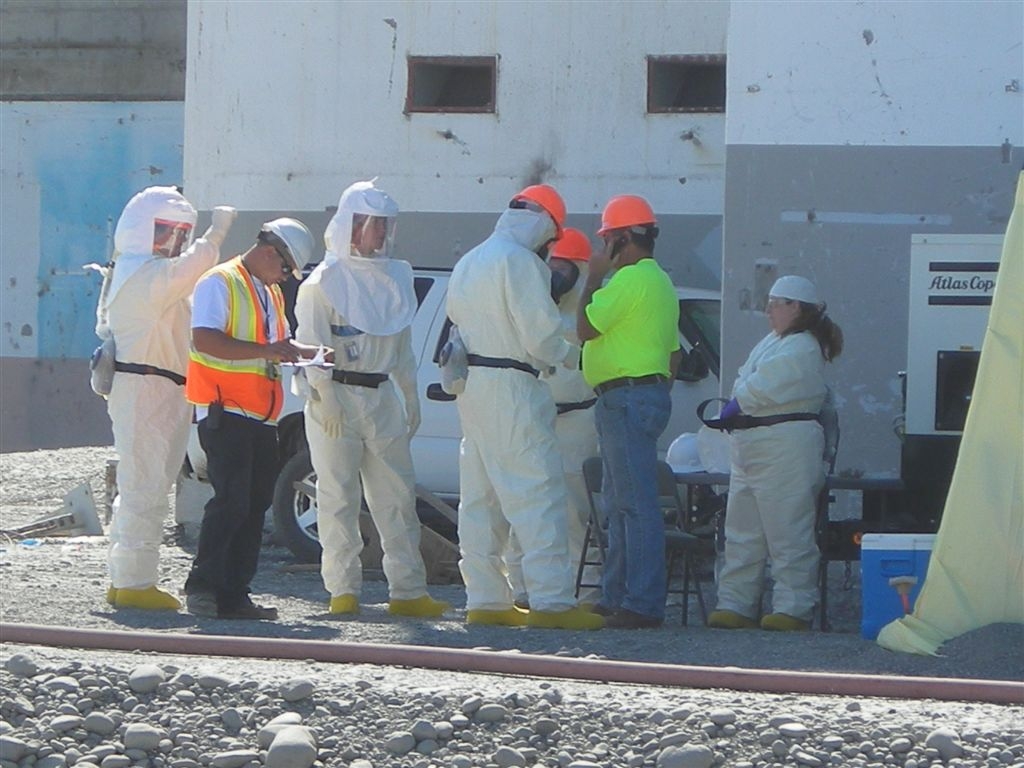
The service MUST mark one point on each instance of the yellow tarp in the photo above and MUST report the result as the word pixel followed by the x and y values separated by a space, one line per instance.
pixel 976 571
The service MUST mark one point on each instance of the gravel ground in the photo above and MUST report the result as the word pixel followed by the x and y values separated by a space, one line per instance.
pixel 211 711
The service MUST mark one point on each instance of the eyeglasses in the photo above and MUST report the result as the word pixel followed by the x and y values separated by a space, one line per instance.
pixel 286 266
pixel 778 302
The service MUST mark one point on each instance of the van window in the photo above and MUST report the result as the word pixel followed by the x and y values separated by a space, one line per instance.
pixel 700 323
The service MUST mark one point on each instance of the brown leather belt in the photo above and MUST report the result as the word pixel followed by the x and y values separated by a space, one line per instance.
pixel 630 381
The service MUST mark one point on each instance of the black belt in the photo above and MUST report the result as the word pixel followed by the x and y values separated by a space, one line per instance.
pixel 501 362
pixel 630 381
pixel 357 379
pixel 743 421
pixel 580 406
pixel 150 370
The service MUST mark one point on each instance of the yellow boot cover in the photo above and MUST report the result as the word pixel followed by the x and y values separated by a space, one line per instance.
pixel 573 618
pixel 510 617
pixel 344 604
pixel 423 607
pixel 783 622
pixel 112 594
pixel 730 620
pixel 149 599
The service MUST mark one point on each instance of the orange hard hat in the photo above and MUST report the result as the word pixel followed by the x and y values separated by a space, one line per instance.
pixel 625 211
pixel 573 245
pixel 547 198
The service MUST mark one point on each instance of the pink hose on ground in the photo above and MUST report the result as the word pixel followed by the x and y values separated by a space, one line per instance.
pixel 492 662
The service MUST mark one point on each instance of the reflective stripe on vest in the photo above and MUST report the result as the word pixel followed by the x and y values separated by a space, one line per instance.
pixel 251 385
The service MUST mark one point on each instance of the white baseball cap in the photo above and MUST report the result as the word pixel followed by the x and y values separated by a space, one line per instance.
pixel 796 288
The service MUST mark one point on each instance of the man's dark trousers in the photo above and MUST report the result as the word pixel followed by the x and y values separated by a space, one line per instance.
pixel 242 461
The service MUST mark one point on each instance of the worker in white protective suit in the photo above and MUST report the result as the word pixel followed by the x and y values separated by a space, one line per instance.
pixel 510 467
pixel 777 468
pixel 360 302
pixel 574 423
pixel 145 306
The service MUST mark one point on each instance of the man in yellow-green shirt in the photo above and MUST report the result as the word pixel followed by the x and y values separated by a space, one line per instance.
pixel 631 353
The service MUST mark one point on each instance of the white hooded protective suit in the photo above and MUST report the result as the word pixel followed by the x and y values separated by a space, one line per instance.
pixel 777 472
pixel 148 314
pixel 510 466
pixel 577 441
pixel 363 309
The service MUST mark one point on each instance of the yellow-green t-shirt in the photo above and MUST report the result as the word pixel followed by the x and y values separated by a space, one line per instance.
pixel 637 315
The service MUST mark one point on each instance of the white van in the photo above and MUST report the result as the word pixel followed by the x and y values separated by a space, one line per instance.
pixel 435 447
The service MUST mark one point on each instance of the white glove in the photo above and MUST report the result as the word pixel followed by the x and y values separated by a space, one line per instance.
pixel 412 416
pixel 572 360
pixel 220 222
pixel 327 410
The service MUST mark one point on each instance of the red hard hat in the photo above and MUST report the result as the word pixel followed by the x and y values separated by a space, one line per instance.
pixel 572 245
pixel 625 211
pixel 547 198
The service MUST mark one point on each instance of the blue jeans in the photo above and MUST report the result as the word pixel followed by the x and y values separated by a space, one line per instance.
pixel 629 422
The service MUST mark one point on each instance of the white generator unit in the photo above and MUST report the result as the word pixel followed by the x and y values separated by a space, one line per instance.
pixel 952 279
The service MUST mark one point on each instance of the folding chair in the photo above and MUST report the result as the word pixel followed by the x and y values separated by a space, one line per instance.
pixel 681 548
pixel 594 542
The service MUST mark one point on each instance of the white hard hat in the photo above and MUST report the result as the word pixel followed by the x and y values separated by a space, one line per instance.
pixel 297 239
pixel 683 455
pixel 796 288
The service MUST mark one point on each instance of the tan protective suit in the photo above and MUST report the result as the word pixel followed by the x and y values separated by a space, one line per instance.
pixel 363 308
pixel 510 466
pixel 148 313
pixel 777 472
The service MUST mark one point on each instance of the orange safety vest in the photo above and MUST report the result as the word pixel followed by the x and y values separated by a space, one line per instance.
pixel 252 386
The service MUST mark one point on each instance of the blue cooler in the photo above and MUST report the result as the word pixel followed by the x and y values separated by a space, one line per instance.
pixel 887 556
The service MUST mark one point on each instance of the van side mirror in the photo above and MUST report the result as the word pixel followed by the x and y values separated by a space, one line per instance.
pixel 693 367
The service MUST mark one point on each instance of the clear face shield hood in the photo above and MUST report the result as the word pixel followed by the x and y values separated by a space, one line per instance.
pixel 171 238
pixel 364 225
pixel 373 237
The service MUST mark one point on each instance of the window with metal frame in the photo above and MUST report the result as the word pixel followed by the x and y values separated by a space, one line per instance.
pixel 452 84
pixel 690 83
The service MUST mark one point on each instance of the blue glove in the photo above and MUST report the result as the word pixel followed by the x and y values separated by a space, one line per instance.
pixel 731 409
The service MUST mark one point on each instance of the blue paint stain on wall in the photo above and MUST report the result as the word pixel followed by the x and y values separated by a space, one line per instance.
pixel 91 159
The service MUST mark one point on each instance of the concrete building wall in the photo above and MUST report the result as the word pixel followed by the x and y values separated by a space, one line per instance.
pixel 286 124
pixel 76 141
pixel 851 127
pixel 106 50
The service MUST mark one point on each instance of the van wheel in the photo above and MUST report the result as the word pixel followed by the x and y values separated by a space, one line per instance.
pixel 295 508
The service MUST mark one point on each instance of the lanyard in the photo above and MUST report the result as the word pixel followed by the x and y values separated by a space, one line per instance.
pixel 263 295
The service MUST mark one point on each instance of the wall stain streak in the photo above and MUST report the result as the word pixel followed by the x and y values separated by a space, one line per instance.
pixel 447 135
pixel 394 51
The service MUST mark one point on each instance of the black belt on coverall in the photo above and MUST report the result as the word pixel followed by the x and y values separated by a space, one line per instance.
pixel 629 381
pixel 743 421
pixel 149 370
pixel 501 362
pixel 359 379
pixel 582 405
